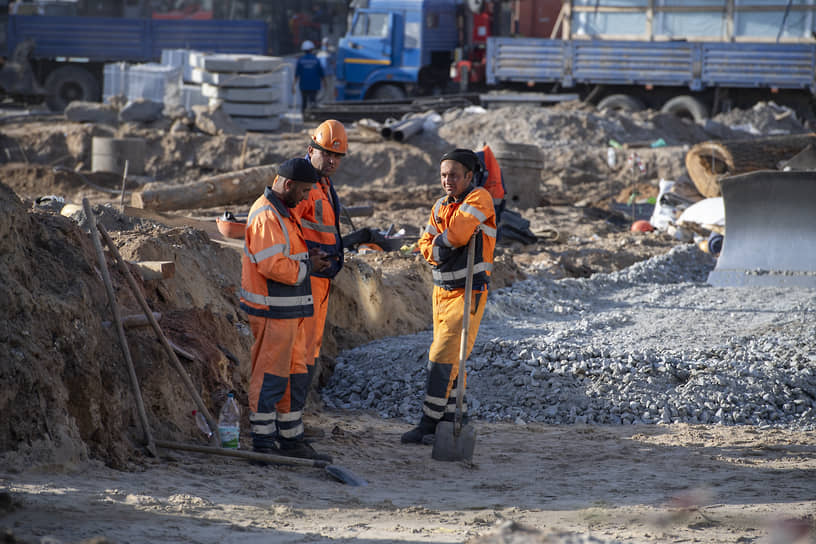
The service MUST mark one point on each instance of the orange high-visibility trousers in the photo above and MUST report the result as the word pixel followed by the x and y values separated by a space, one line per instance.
pixel 443 356
pixel 316 323
pixel 279 379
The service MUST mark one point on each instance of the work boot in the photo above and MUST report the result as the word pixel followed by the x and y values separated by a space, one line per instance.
pixel 265 450
pixel 424 433
pixel 303 450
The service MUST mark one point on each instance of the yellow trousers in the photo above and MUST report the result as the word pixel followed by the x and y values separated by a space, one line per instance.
pixel 443 356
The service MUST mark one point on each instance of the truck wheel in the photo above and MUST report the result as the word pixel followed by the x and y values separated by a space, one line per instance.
pixel 388 92
pixel 687 107
pixel 620 102
pixel 69 83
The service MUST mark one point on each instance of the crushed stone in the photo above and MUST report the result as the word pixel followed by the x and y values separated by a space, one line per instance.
pixel 652 343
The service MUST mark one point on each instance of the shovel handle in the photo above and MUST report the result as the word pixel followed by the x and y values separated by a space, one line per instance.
pixel 460 380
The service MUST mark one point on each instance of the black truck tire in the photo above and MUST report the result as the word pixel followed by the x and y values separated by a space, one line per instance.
pixel 388 92
pixel 686 106
pixel 69 83
pixel 620 102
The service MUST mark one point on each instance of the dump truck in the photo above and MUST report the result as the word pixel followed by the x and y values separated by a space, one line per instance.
pixel 690 58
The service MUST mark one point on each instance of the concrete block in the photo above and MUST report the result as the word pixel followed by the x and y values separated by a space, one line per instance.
pixel 249 110
pixel 234 63
pixel 266 79
pixel 191 95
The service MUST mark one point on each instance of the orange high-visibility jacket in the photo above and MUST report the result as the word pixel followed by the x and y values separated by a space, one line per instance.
pixel 444 241
pixel 275 265
pixel 319 216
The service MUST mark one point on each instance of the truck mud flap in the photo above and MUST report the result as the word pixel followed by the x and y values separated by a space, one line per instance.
pixel 770 230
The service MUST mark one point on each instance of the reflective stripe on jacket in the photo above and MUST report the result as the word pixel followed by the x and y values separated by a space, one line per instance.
pixel 445 239
pixel 319 216
pixel 275 266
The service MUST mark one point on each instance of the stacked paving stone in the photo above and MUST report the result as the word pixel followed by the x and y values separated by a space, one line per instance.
pixel 253 90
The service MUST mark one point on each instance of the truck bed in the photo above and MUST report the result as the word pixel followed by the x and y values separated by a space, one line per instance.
pixel 696 65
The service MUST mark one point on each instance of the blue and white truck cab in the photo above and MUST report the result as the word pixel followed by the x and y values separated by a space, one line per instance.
pixel 395 48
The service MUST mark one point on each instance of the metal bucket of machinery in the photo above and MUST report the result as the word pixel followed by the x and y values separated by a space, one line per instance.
pixel 770 230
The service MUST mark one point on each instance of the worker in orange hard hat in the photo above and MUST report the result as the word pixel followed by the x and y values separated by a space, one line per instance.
pixel 320 218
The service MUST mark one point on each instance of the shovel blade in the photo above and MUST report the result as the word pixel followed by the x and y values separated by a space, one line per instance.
pixel 448 446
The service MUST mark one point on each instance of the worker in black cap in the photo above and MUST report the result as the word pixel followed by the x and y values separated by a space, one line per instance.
pixel 277 296
pixel 464 211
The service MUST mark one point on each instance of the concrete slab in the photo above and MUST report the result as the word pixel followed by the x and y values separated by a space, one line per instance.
pixel 238 94
pixel 234 63
pixel 267 79
pixel 250 110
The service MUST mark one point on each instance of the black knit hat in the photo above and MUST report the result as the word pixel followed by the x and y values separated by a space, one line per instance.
pixel 299 170
pixel 465 157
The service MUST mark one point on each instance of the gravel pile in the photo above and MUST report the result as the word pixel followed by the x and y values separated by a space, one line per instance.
pixel 650 344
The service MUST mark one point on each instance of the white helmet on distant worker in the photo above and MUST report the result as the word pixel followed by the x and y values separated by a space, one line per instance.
pixel 308 45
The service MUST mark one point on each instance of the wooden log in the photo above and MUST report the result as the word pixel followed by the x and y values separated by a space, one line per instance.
pixel 155 270
pixel 241 186
pixel 709 162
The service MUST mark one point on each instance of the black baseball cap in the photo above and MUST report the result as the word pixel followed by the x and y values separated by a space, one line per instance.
pixel 299 169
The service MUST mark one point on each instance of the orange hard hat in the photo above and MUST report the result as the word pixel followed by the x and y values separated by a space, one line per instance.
pixel 641 225
pixel 331 136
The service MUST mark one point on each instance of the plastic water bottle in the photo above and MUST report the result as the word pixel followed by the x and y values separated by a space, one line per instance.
pixel 201 421
pixel 229 423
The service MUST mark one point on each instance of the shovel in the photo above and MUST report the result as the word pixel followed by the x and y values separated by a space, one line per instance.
pixel 454 441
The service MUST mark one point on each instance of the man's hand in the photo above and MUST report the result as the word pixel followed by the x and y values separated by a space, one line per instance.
pixel 319 259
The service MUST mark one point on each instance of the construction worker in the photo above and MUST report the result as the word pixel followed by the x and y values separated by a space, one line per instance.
pixel 320 217
pixel 277 295
pixel 309 75
pixel 464 211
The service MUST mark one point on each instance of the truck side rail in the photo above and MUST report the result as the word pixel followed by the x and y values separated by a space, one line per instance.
pixel 786 66
pixel 101 39
pixel 525 59
pixel 695 65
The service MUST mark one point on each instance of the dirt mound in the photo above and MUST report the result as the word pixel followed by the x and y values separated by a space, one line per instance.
pixel 61 391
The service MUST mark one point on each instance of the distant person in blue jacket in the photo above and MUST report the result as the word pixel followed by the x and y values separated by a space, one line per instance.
pixel 309 73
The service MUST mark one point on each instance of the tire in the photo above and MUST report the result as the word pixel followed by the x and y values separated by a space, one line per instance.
pixel 620 102
pixel 69 83
pixel 687 107
pixel 387 92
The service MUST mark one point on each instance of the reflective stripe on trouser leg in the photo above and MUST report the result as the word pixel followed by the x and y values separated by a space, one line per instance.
pixel 263 429
pixel 271 356
pixel 290 406
pixel 443 355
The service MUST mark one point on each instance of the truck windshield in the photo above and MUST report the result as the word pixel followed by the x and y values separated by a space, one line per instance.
pixel 371 24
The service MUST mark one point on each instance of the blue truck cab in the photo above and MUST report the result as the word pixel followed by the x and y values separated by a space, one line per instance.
pixel 394 48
